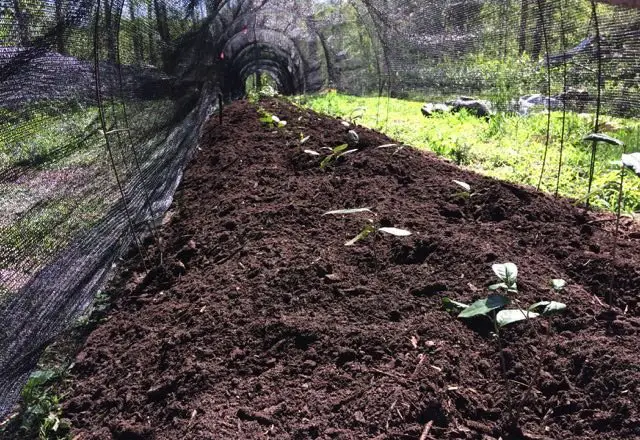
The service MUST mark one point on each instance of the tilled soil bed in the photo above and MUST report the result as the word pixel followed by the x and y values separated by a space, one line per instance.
pixel 260 323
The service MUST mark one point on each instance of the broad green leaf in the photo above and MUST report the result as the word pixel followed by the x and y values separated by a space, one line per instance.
pixel 395 231
pixel 348 211
pixel 600 137
pixel 548 307
pixel 362 235
pixel 484 306
pixel 464 185
pixel 507 272
pixel 451 305
pixel 340 148
pixel 558 284
pixel 504 317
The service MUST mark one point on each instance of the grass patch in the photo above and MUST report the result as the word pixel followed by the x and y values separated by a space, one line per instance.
pixel 509 147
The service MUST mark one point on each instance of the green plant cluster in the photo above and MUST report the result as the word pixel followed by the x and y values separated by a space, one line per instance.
pixel 41 413
pixel 493 306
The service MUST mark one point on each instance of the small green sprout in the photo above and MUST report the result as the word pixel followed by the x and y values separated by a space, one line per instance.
pixel 370 228
pixel 271 120
pixel 336 152
pixel 357 114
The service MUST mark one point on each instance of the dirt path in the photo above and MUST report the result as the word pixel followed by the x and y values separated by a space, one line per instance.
pixel 264 325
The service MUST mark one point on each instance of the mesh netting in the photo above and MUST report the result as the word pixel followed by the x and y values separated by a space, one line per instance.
pixel 102 101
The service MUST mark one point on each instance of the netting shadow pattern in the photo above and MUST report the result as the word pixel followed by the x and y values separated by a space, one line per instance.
pixel 102 101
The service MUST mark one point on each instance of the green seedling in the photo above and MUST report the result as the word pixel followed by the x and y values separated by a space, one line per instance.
pixel 271 120
pixel 465 192
pixel 493 306
pixel 337 152
pixel 464 185
pixel 370 228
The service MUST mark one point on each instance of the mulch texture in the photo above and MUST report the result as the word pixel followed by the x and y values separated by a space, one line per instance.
pixel 261 324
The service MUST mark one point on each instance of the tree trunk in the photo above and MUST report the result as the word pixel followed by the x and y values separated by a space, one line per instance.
pixel 110 31
pixel 522 35
pixel 60 27
pixel 161 21
pixel 136 37
pixel 22 20
pixel 153 58
pixel 538 34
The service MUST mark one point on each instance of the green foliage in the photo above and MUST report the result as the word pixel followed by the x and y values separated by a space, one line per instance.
pixel 40 416
pixel 38 134
pixel 509 147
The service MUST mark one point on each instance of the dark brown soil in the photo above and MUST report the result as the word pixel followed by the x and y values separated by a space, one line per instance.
pixel 262 324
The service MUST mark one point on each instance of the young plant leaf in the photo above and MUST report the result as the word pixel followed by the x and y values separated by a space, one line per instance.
pixel 304 139
pixel 347 152
pixel 368 229
pixel 498 286
pixel 600 137
pixel 326 161
pixel 509 316
pixel 548 307
pixel 451 305
pixel 484 306
pixel 340 148
pixel 348 211
pixel 395 231
pixel 558 284
pixel 462 184
pixel 311 152
pixel 507 272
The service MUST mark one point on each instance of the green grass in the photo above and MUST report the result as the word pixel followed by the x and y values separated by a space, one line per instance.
pixel 36 138
pixel 509 147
